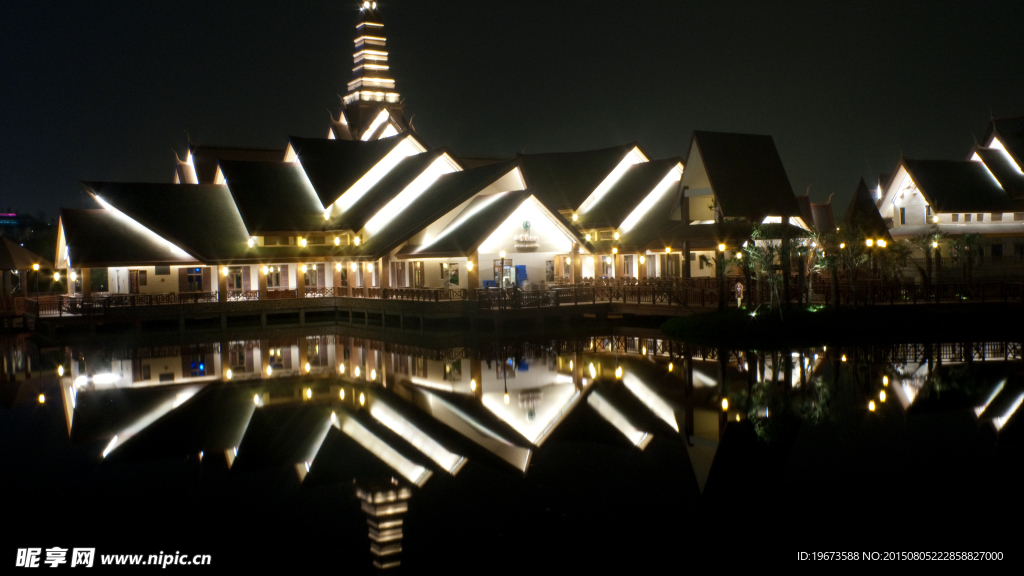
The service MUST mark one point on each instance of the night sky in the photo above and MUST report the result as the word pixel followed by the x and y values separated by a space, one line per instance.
pixel 105 90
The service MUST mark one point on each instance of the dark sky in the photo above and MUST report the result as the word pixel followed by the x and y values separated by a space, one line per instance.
pixel 104 90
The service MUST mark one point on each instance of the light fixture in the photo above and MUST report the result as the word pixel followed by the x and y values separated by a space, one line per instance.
pixel 266 270
pixel 871 405
pixel 670 366
pixel 842 245
pixel 668 249
pixel 844 357
pixel 643 259
pixel 251 242
pixel 616 235
pixel 618 371
pixel 355 371
pixel 935 244
pixel 373 374
pixel 327 215
pixel 307 367
pixel 469 265
pixel 256 399
pixel 229 374
pixel 570 364
pixel 338 266
pixel 337 241
pixel 869 242
pixel 362 399
pixel 356 240
pixel 643 351
pixel 303 267
pixel 721 247
pixel 341 368
pixel 881 395
pixel 737 417
pixel 885 380
pixel 881 243
pixel 42 399
pixel 608 259
pixel 593 371
pixel 270 370
pixel 568 260
pixel 587 237
pixel 309 392
pixel 56 276
pixel 725 404
pixel 35 267
pixel 615 250
pixel 73 275
pixel 472 385
pixel 935 219
pixel 302 242
pixel 224 271
pixel 739 255
pixel 502 254
pixel 60 370
pixel 355 267
pixel 576 217
pixel 341 393
pixel 506 398
pixel 369 266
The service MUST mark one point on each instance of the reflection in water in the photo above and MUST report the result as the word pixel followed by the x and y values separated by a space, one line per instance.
pixel 397 416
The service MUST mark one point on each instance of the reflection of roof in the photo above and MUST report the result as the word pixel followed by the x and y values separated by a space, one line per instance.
pixel 14 257
pixel 746 175
pixel 198 218
pixel 444 195
pixel 205 158
pixel 333 166
pixel 563 180
pixel 958 186
pixel 635 184
pixel 101 238
pixel 273 196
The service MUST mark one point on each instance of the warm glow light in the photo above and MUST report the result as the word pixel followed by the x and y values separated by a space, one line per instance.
pixel 885 380
pixel 506 398
pixel 35 266
pixel 355 267
pixel 869 242
pixel 935 244
pixel 337 241
pixel 721 247
pixel 309 392
pixel 373 374
pixel 668 250
pixel 615 250
pixel 643 259
pixel 266 270
pixel 303 267
pixel 616 235
pixel 338 266
pixel 42 399
pixel 341 368
pixel 502 254
pixel 570 364
pixel 633 157
pixel 362 399
pixel 587 237
pixel 670 366
pixel 224 270
pixel 355 371
pixel 357 240
pixel 568 260
pixel 56 276
pixel 302 242
pixel 256 399
pixel 307 366
pixel 575 217
pixel 842 245
pixel 472 385
pixel 844 357
pixel 593 371
pixel 935 219
pixel 725 404
pixel 469 265
pixel 881 395
pixel 369 266
pixel 270 370
pixel 590 260
pixel 618 372
pixel 327 215
pixel 871 405
pixel 73 275
pixel 881 243
pixel 229 374
pixel 439 167
pixel 341 393
pixel 251 242
pixel 60 370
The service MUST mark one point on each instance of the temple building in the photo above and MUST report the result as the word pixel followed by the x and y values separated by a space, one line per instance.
pixel 371 206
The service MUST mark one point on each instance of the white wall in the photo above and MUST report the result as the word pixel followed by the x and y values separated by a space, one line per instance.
pixel 162 284
pixel 551 241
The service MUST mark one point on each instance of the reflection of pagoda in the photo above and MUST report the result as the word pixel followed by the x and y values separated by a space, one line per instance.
pixel 385 509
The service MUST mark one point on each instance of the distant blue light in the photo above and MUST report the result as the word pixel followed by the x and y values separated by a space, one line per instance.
pixel 202 367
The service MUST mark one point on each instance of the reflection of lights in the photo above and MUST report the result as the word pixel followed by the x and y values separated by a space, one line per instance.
pixel 1000 421
pixel 844 357
pixel 256 399
pixel 725 404
pixel 110 446
pixel 341 393
pixel 606 410
pixel 643 351
pixel 506 398
pixel 618 372
pixel 885 380
pixel 309 392
pixel 355 371
pixel 670 366
pixel 228 374
pixel 60 370
pixel 421 441
pixel 991 397
pixel 871 406
pixel 270 370
pixel 472 385
pixel 881 396
pixel 341 368
pixel 570 364
pixel 373 374
pixel 362 399
pixel 334 417
pixel 307 367
pixel 81 381
pixel 593 371
pixel 42 399
pixel 106 378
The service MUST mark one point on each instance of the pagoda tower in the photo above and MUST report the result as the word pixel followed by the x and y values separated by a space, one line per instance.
pixel 371 108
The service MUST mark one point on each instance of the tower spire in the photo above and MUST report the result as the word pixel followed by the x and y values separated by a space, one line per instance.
pixel 372 104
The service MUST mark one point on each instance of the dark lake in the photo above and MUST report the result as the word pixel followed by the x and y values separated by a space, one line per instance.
pixel 321 448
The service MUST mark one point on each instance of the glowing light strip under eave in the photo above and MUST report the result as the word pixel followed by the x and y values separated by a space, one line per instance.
pixel 637 437
pixel 380 119
pixel 449 461
pixel 388 132
pixel 633 157
pixel 405 148
pixel 463 218
pixel 309 185
pixel 1000 421
pixel 978 159
pixel 140 228
pixel 651 399
pixel 412 471
pixel 999 146
pixel 649 201
pixel 439 167
pixel 152 416
pixel 995 392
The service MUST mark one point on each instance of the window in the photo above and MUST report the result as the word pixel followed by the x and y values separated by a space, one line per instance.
pixel 162 270
pixel 417 272
pixel 997 217
pixel 605 235
pixel 607 266
pixel 903 216
pixel 274 277
pixel 981 217
pixel 146 372
pixel 627 265
pixel 310 276
pixel 928 214
pixel 967 217
pixel 507 276
pixel 235 278
pixel 315 240
pixel 142 277
pixel 194 279
pixel 276 240
pixel 955 217
pixel 197 366
pixel 1018 216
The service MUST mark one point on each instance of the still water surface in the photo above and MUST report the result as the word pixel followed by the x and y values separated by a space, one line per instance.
pixel 319 448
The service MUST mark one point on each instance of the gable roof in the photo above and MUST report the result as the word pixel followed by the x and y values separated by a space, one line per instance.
pixel 386 189
pixel 198 218
pixel 471 227
pixel 862 214
pixel 101 238
pixel 333 166
pixel 626 194
pixel 205 158
pixel 446 194
pixel 958 185
pixel 563 180
pixel 1011 133
pixel 273 196
pixel 746 174
pixel 824 219
pixel 1002 168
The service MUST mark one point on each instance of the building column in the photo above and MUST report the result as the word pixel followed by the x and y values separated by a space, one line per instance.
pixel 685 264
pixel 222 284
pixel 337 280
pixel 300 281
pixel 261 286
pixel 577 264
pixel 473 276
pixel 86 283
pixel 619 271
pixel 385 271
pixel 641 267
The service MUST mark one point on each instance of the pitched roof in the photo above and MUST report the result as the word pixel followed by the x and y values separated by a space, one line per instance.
pixel 333 166
pixel 198 218
pixel 385 190
pixel 1002 168
pixel 627 193
pixel 823 218
pixel 14 257
pixel 273 196
pixel 862 214
pixel 746 175
pixel 1011 134
pixel 471 227
pixel 958 186
pixel 205 158
pixel 806 212
pixel 446 194
pixel 101 238
pixel 563 180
